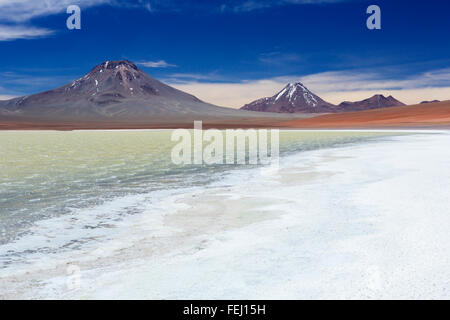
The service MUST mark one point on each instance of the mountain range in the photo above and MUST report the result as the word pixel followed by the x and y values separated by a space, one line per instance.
pixel 378 101
pixel 433 101
pixel 117 94
pixel 115 91
pixel 296 98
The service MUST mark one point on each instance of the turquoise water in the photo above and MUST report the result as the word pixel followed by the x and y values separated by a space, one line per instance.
pixel 49 174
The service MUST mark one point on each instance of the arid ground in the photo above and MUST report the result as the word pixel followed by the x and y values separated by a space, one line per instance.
pixel 430 115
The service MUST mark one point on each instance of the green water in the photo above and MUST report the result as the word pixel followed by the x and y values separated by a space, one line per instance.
pixel 46 174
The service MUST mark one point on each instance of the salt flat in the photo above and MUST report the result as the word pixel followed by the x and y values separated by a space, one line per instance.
pixel 363 221
pixel 366 220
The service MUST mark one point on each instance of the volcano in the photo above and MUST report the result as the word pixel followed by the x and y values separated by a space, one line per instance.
pixel 293 98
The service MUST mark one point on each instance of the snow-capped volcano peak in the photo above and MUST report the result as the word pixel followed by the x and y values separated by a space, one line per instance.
pixel 113 81
pixel 296 90
pixel 294 97
pixel 296 85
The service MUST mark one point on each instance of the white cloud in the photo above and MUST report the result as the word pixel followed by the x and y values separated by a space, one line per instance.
pixel 22 32
pixel 251 5
pixel 278 58
pixel 6 97
pixel 233 95
pixel 24 10
pixel 334 87
pixel 184 78
pixel 18 14
pixel 155 64
pixel 365 80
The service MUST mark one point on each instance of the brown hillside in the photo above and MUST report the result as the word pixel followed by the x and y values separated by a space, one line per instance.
pixel 422 115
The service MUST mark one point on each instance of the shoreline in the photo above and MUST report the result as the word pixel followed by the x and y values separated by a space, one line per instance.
pixel 408 126
pixel 418 117
pixel 381 130
pixel 239 230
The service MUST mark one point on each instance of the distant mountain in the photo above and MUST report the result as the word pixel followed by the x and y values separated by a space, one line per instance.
pixel 376 102
pixel 294 98
pixel 433 101
pixel 114 91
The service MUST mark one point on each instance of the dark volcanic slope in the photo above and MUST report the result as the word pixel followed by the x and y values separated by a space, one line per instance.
pixel 294 98
pixel 376 102
pixel 114 91
pixel 433 101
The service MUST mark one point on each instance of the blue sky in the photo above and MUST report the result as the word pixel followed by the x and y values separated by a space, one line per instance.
pixel 231 52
